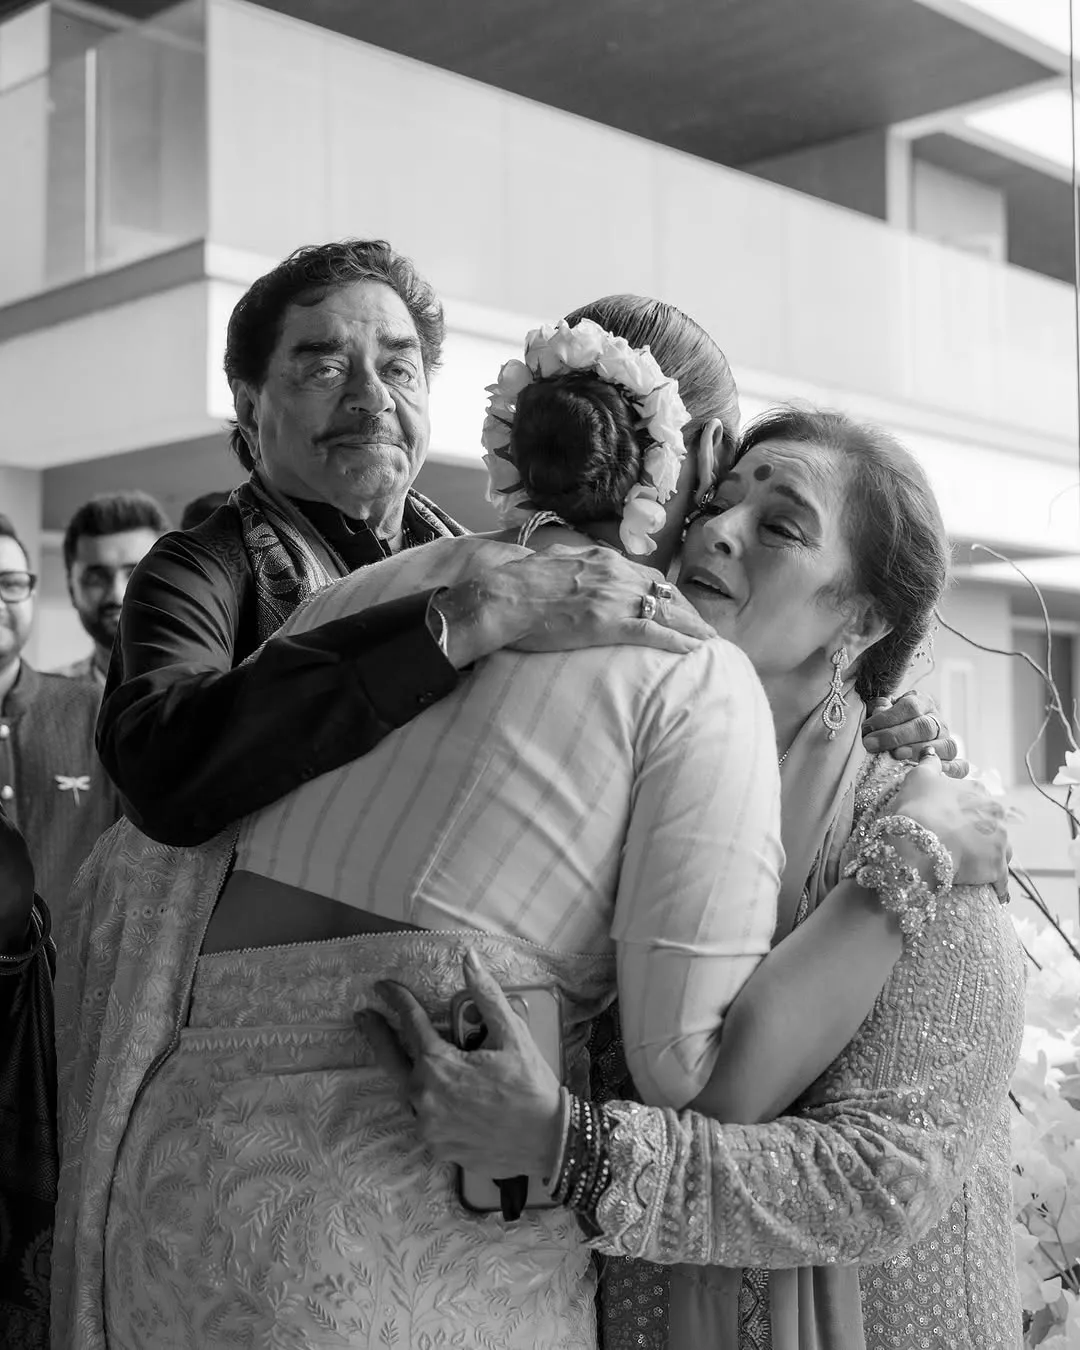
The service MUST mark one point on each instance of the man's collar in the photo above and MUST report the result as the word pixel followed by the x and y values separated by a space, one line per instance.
pixel 354 541
pixel 23 692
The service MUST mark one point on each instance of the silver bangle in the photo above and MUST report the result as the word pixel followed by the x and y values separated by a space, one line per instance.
pixel 552 1181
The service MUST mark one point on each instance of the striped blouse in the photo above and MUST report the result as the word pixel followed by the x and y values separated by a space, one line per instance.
pixel 579 799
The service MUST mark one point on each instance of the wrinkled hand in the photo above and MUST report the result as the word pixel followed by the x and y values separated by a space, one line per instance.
pixel 16 887
pixel 967 820
pixel 495 1111
pixel 908 727
pixel 560 599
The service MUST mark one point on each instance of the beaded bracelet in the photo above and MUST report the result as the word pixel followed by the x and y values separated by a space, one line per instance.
pixel 585 1171
pixel 878 867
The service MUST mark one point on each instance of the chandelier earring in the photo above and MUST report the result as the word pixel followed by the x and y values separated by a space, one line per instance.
pixel 834 713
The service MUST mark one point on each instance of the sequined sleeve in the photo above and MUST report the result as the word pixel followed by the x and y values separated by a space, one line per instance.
pixel 856 1181
pixel 881 1144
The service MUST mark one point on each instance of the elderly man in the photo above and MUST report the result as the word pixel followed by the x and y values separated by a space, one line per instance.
pixel 207 715
pixel 329 357
pixel 105 539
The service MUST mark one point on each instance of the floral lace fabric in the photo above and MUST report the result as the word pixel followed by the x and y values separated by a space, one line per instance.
pixel 271 1188
pixel 136 921
pixel 129 1056
pixel 897 1161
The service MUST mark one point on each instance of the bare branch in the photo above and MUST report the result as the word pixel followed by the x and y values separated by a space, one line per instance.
pixel 1023 878
pixel 1055 698
pixel 1048 674
pixel 1062 806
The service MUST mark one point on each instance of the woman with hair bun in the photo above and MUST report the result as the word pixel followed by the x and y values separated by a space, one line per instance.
pixel 598 822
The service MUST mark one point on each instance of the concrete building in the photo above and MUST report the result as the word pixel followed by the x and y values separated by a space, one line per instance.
pixel 868 202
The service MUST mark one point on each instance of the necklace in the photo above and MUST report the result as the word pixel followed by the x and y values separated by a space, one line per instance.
pixel 539 519
pixel 784 756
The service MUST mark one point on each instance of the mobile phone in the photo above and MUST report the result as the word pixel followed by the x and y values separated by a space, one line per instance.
pixel 540 1008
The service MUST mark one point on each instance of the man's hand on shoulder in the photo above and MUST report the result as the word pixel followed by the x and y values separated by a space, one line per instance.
pixel 906 727
pixel 562 599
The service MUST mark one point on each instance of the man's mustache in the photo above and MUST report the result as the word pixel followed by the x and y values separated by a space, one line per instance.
pixel 370 429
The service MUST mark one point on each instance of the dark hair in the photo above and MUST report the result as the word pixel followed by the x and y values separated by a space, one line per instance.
pixel 304 277
pixel 894 531
pixel 8 531
pixel 574 446
pixel 573 440
pixel 202 508
pixel 112 513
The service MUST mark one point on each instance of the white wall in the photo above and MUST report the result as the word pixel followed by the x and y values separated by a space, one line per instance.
pixel 851 171
pixel 958 211
pixel 24 139
pixel 120 378
pixel 520 207
pixel 985 615
pixel 58 634
pixel 24 136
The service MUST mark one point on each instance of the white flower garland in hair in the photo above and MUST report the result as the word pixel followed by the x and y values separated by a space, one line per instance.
pixel 556 350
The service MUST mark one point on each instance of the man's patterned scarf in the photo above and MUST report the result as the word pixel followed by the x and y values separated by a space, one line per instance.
pixel 290 561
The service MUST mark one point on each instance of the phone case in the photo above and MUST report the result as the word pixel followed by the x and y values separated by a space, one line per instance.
pixel 540 1007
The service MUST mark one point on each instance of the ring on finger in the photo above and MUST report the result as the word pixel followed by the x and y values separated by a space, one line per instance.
pixel 664 592
pixel 928 753
pixel 648 606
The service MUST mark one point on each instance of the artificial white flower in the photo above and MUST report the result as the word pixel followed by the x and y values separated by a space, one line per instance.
pixel 634 370
pixel 581 345
pixel 642 516
pixel 665 413
pixel 513 378
pixel 662 470
pixel 496 433
pixel 1069 773
pixel 503 477
pixel 556 349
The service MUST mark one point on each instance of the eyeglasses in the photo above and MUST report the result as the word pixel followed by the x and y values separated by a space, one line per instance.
pixel 16 586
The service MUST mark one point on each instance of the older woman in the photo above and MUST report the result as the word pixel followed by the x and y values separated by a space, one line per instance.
pixel 892 1026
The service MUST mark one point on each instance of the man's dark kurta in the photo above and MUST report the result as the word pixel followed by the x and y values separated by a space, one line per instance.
pixel 194 739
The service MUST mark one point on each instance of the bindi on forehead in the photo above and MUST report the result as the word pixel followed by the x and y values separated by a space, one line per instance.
pixel 762 472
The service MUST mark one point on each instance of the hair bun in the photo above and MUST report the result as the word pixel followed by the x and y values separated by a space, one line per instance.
pixel 575 446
